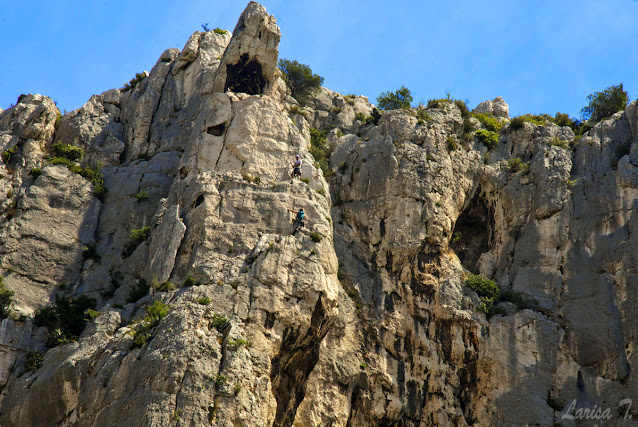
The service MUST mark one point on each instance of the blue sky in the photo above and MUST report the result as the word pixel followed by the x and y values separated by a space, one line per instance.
pixel 540 56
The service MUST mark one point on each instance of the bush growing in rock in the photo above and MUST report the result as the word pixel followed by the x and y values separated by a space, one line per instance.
pixel 517 122
pixel 321 148
pixel 65 319
pixel 516 164
pixel 6 300
pixel 488 138
pixel 303 83
pixel 8 155
pixel 487 290
pixel 451 144
pixel 144 331
pixel 67 151
pixel 136 237
pixel 93 175
pixel 189 281
pixel 559 143
pixel 602 105
pixel 34 360
pixel 235 345
pixel 400 99
pixel 220 322
pixel 203 300
pixel 142 195
pixel 134 81
pixel 490 122
pixel 164 287
pixel 562 119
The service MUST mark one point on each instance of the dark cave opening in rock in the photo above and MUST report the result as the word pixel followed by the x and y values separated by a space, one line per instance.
pixel 217 130
pixel 245 76
pixel 473 233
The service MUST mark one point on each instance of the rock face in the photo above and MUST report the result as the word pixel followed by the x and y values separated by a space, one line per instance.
pixel 497 107
pixel 363 317
pixel 249 64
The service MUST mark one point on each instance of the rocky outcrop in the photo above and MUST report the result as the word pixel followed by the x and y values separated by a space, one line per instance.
pixel 497 107
pixel 211 312
pixel 249 64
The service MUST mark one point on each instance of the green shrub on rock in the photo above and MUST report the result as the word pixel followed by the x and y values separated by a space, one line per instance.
pixel 6 300
pixel 65 319
pixel 34 360
pixel 220 322
pixel 488 138
pixel 134 81
pixel 303 83
pixel 490 122
pixel 602 105
pixel 321 149
pixel 67 151
pixel 8 155
pixel 487 290
pixel 144 331
pixel 400 99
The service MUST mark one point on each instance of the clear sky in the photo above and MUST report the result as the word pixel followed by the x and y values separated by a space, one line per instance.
pixel 540 56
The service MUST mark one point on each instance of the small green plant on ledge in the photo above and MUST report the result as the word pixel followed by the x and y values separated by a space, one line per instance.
pixel 134 81
pixel 67 151
pixel 142 195
pixel 235 345
pixel 350 99
pixel 516 164
pixel 220 31
pixel 518 122
pixel 189 281
pixel 220 381
pixel 136 237
pixel 297 110
pixel 6 300
pixel 64 319
pixel 487 290
pixel 488 138
pixel 34 360
pixel 451 144
pixel 559 143
pixel 489 121
pixel 35 172
pixel 203 300
pixel 220 322
pixel 164 287
pixel 144 331
pixel 92 314
pixel 8 155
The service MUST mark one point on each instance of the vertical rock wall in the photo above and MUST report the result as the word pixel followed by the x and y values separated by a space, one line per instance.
pixel 360 319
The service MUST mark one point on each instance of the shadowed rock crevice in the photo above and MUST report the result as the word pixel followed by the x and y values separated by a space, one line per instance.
pixel 295 361
pixel 245 76
pixel 217 130
pixel 473 233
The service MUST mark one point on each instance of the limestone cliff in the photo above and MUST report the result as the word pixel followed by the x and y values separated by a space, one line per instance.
pixel 360 319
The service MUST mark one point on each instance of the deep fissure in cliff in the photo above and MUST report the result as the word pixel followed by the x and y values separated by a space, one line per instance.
pixel 296 359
